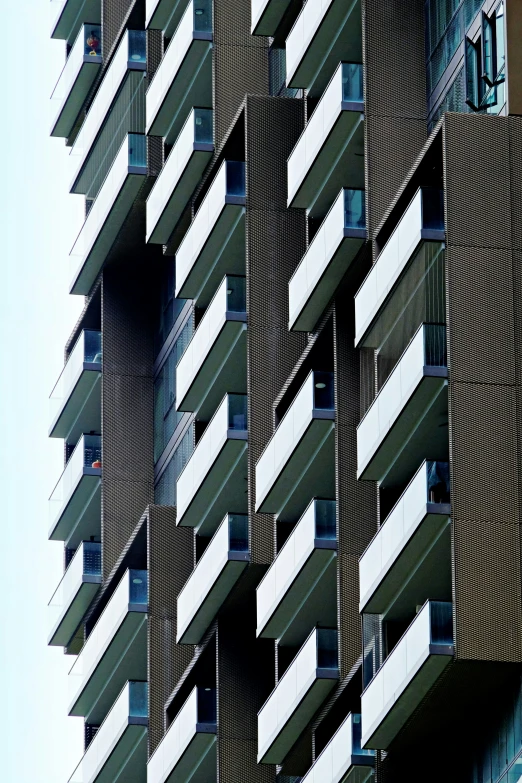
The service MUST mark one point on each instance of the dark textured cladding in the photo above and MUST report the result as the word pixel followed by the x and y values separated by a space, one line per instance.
pixel 395 97
pixel 127 403
pixel 239 65
pixel 275 244
pixel 170 562
pixel 115 14
pixel 356 500
pixel 155 148
pixel 483 225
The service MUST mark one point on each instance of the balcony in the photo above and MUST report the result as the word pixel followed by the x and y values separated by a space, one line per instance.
pixel 75 401
pixel 164 15
pixel 407 674
pixel 298 695
pixel 128 62
pixel 75 504
pixel 119 748
pixel 267 15
pixel 68 15
pixel 75 593
pixel 76 79
pixel 214 245
pixel 214 361
pixel 188 749
pixel 213 482
pixel 422 224
pixel 325 33
pixel 343 760
pixel 184 76
pixel 179 176
pixel 330 152
pixel 296 585
pixel 108 213
pixel 409 414
pixel 222 563
pixel 409 534
pixel 115 650
pixel 298 461
pixel 328 258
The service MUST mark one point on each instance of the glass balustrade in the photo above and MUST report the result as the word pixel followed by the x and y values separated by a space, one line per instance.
pixel 87 350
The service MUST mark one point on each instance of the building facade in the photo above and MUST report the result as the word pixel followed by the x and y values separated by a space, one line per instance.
pixel 292 405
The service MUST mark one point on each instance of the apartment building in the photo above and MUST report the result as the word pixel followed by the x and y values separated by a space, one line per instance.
pixel 291 408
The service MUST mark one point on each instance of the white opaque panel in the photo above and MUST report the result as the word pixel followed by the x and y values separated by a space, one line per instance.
pixel 289 561
pixel 170 174
pixel 391 399
pixel 201 226
pixel 202 340
pixel 285 439
pixel 169 66
pixel 175 741
pixel 301 34
pixel 335 760
pixel 390 263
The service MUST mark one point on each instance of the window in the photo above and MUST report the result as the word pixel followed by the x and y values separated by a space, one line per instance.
pixel 169 308
pixel 165 490
pixel 485 64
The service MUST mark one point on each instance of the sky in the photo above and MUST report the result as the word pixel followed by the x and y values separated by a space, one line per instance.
pixel 38 221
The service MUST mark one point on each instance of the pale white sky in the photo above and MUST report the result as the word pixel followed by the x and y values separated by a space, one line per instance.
pixel 39 221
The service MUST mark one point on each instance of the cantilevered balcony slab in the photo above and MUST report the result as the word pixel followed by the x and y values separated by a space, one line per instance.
pixel 328 258
pixel 119 749
pixel 214 361
pixel 325 33
pixel 75 504
pixel 297 584
pixel 298 695
pixel 179 176
pixel 421 225
pixel 75 401
pixel 108 213
pixel 76 79
pixel 407 674
pixel 267 15
pixel 184 76
pixel 115 650
pixel 67 16
pixel 329 154
pixel 407 536
pixel 222 563
pixel 75 593
pixel 214 245
pixel 187 752
pixel 407 417
pixel 164 15
pixel 214 479
pixel 298 461
pixel 343 760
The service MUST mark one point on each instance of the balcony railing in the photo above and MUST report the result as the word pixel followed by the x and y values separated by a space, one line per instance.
pixel 214 245
pixel 329 256
pixel 189 744
pixel 184 77
pixel 115 651
pixel 404 418
pixel 423 221
pixel 108 213
pixel 410 529
pixel 297 696
pixel 214 361
pixel 296 462
pixel 343 760
pixel 75 593
pixel 407 674
pixel 329 154
pixel 180 175
pixel 119 749
pixel 213 480
pixel 75 399
pixel 325 32
pixel 74 506
pixel 76 79
pixel 214 576
pixel 298 570
pixel 164 15
pixel 67 17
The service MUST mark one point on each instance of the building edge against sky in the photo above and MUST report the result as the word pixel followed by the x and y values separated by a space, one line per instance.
pixel 290 408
